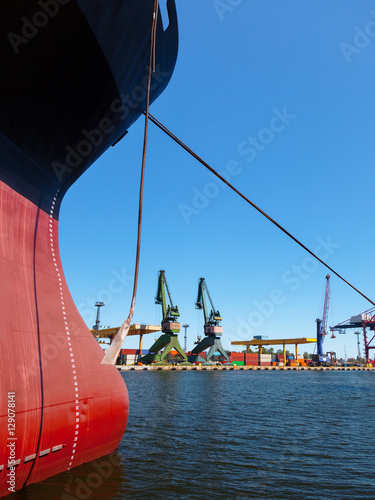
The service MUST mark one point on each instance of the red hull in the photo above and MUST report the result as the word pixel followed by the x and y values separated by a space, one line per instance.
pixel 72 82
pixel 70 408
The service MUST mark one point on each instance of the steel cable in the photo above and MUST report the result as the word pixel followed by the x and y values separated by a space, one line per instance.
pixel 213 171
pixel 114 350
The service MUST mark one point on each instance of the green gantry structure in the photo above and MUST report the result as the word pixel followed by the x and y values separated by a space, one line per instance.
pixel 169 326
pixel 212 329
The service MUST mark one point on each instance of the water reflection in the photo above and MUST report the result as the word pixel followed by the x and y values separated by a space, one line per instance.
pixel 234 435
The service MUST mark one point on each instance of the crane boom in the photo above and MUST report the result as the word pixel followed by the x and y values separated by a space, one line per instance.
pixel 201 300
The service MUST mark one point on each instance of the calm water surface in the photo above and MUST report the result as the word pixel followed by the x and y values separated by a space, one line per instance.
pixel 235 435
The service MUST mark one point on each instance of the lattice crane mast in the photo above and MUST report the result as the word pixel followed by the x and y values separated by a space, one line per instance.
pixel 320 358
pixel 324 321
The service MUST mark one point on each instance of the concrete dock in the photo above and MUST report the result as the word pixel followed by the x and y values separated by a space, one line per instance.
pixel 243 368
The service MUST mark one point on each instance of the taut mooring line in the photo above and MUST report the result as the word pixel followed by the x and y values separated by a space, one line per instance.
pixel 213 171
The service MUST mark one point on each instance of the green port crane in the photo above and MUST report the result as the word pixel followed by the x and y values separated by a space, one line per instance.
pixel 169 326
pixel 210 320
pixel 170 312
pixel 212 329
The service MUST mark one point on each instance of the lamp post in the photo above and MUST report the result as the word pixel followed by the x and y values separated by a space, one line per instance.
pixel 358 345
pixel 97 322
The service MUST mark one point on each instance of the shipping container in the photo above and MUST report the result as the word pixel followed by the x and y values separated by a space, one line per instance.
pixel 134 351
pixel 129 351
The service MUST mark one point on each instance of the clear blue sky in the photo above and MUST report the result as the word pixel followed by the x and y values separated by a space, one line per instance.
pixel 240 68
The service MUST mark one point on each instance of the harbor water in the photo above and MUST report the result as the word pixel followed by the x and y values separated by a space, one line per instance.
pixel 235 435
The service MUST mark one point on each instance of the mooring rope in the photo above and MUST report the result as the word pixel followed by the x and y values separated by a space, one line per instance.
pixel 114 349
pixel 213 171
